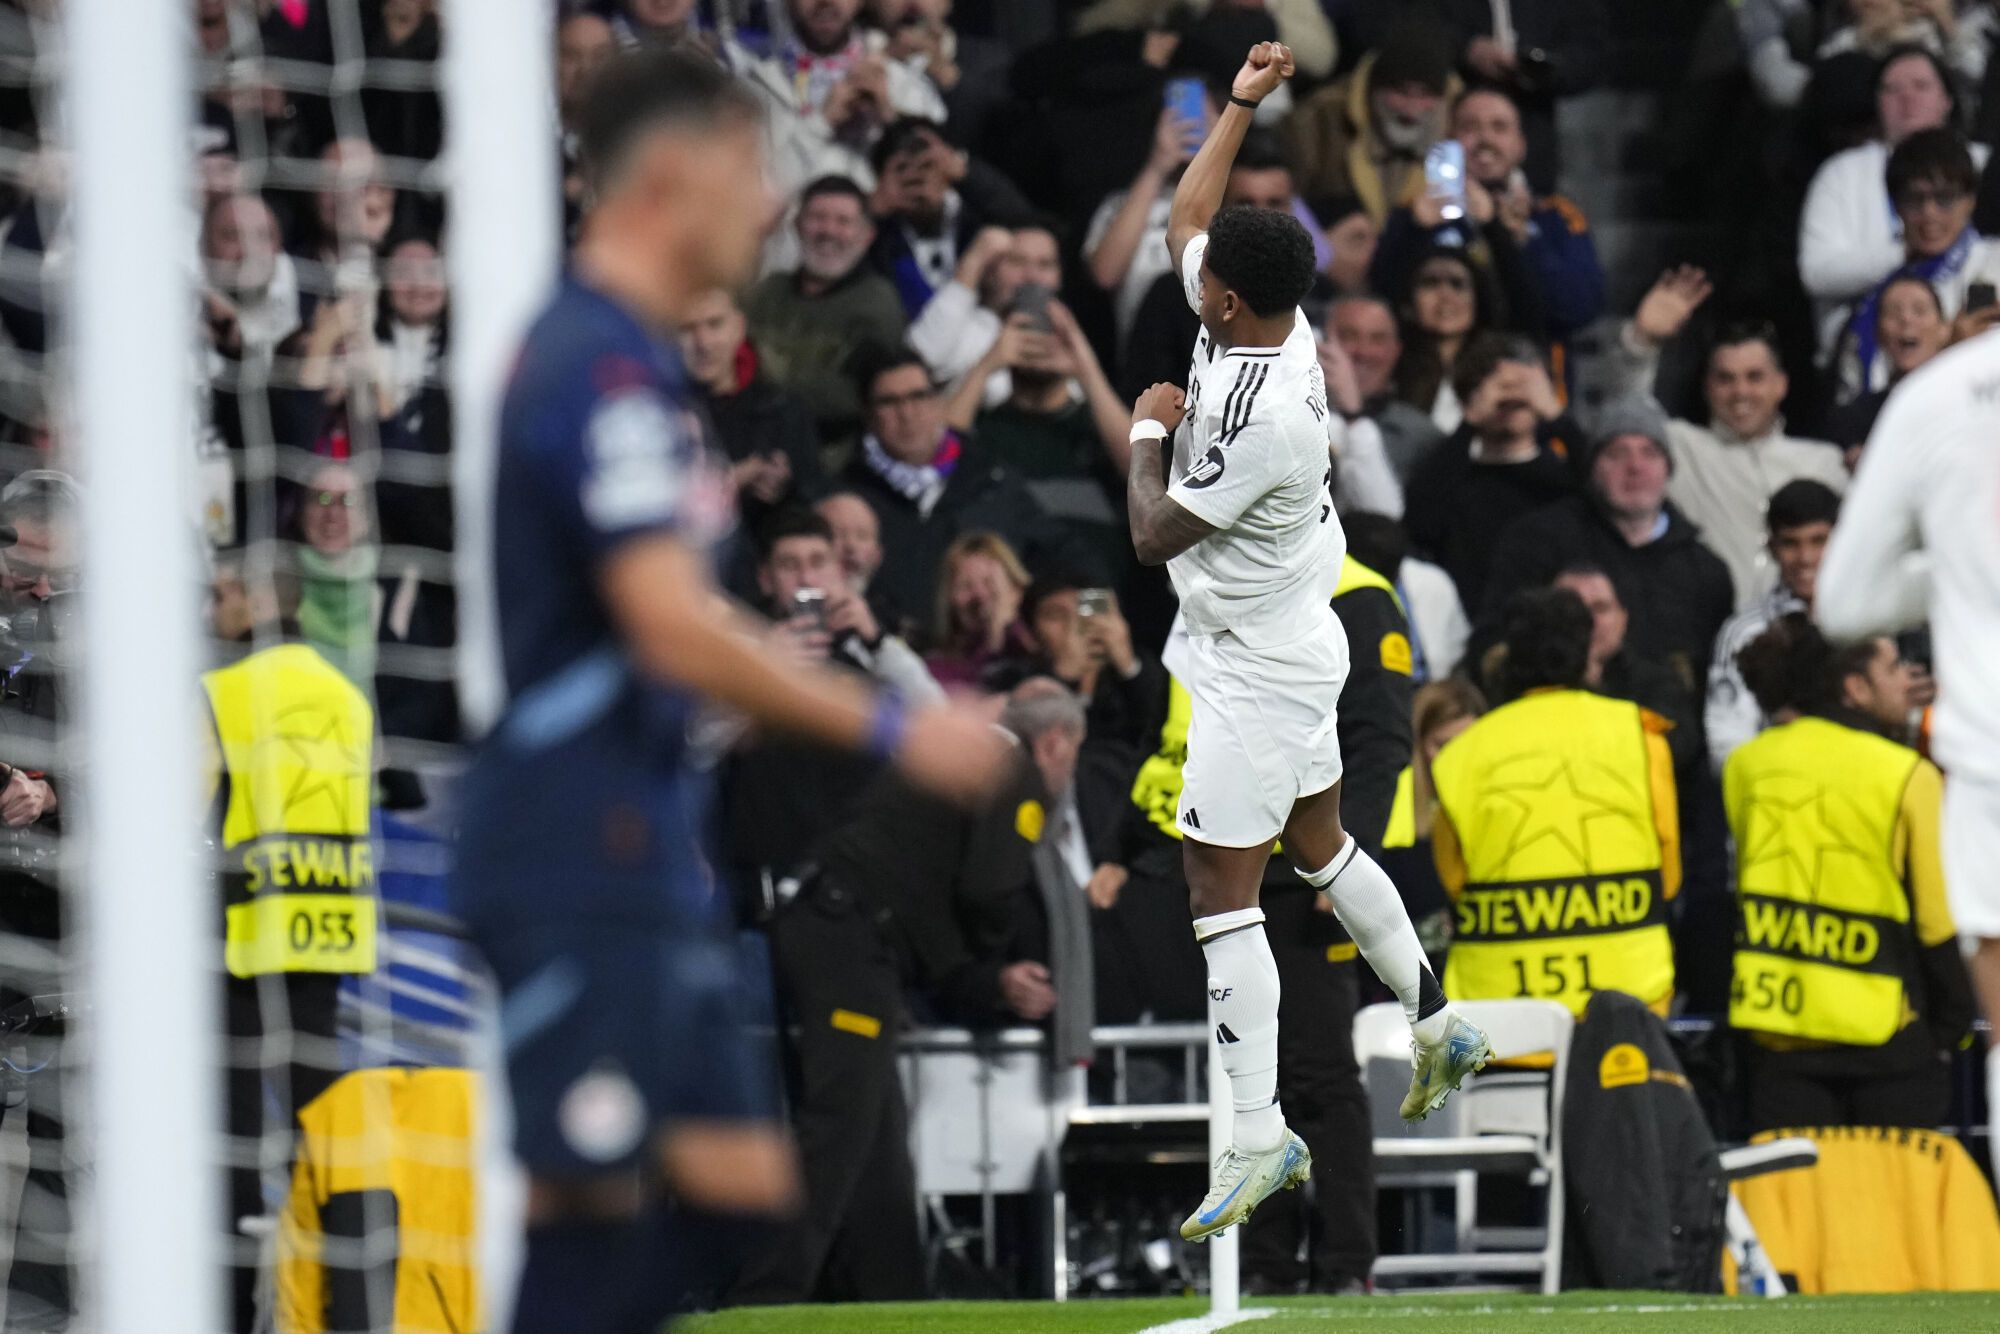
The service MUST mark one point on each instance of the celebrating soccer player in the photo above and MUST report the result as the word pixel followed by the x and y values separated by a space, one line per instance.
pixel 1245 524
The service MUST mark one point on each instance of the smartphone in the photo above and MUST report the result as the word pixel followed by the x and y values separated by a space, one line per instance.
pixel 1185 98
pixel 1978 296
pixel 1032 300
pixel 1092 603
pixel 810 603
pixel 1444 177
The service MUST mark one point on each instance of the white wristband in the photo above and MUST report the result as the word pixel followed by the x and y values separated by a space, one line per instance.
pixel 1148 429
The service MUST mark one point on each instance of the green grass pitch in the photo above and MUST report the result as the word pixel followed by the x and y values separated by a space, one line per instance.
pixel 1917 1313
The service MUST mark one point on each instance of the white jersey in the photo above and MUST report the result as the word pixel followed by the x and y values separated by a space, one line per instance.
pixel 1919 536
pixel 1252 458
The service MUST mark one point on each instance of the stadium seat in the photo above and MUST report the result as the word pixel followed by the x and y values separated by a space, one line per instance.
pixel 1501 1123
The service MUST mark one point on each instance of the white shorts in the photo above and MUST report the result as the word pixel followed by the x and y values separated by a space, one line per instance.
pixel 1261 735
pixel 1971 840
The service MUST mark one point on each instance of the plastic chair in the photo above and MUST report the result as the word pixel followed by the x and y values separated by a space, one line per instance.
pixel 1502 1122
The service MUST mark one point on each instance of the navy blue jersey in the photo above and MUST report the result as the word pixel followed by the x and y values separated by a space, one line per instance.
pixel 586 798
pixel 599 443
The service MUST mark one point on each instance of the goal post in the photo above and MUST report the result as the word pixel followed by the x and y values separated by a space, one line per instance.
pixel 500 164
pixel 146 928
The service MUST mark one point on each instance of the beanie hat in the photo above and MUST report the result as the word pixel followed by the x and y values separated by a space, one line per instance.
pixel 1629 414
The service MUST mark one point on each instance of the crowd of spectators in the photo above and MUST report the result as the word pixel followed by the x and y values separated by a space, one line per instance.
pixel 924 400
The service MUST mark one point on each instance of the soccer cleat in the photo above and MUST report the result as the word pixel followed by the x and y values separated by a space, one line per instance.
pixel 1441 1066
pixel 1245 1180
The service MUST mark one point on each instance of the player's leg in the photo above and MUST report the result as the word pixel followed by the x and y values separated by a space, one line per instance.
pixel 628 1079
pixel 1264 1156
pixel 1236 787
pixel 1448 1048
pixel 1242 982
pixel 1366 901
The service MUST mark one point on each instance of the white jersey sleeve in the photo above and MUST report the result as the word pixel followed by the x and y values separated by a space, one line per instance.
pixel 1191 271
pixel 1241 468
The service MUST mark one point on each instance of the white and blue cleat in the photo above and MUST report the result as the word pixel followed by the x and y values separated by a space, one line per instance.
pixel 1440 1066
pixel 1245 1180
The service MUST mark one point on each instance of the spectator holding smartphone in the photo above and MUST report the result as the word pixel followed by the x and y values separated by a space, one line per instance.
pixel 1078 635
pixel 931 200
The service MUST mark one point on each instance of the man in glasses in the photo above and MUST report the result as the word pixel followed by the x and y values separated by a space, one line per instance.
pixel 928 483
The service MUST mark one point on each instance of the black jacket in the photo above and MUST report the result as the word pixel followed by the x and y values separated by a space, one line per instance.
pixel 1646 1193
pixel 944 885
pixel 1676 591
pixel 762 418
pixel 1458 509
pixel 981 495
pixel 1374 721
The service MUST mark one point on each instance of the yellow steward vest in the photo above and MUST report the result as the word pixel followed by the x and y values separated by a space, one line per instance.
pixel 297 742
pixel 1825 941
pixel 1551 798
pixel 1402 830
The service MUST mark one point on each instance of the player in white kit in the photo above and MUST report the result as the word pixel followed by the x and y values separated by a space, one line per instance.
pixel 1919 538
pixel 1245 524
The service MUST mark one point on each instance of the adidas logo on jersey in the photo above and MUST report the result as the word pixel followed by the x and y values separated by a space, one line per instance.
pixel 1224 1036
pixel 1207 471
pixel 1190 819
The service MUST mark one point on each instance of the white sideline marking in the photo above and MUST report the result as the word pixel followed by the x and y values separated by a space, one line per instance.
pixel 1208 1324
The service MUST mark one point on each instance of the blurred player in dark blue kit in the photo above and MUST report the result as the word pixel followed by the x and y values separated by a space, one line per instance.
pixel 582 865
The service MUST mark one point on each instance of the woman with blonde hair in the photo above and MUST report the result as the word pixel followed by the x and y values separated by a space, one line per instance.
pixel 977 618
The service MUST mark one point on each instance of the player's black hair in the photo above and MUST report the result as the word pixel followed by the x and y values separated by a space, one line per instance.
pixel 833 184
pixel 1932 157
pixel 1792 666
pixel 1263 256
pixel 1738 332
pixel 790 521
pixel 872 363
pixel 651 88
pixel 1547 636
pixel 1799 502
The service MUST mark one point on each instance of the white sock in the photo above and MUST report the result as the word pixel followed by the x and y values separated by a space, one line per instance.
pixel 1366 901
pixel 1243 1007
